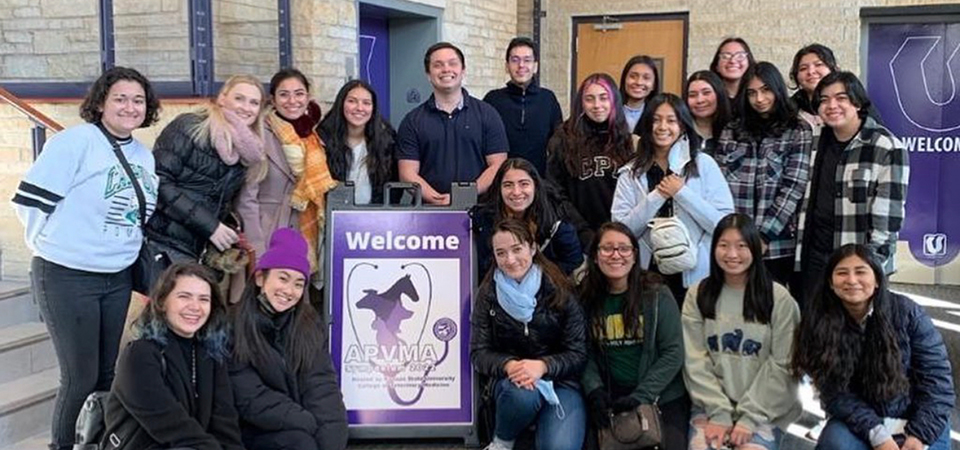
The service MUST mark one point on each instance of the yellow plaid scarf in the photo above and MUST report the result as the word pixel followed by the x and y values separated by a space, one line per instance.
pixel 308 160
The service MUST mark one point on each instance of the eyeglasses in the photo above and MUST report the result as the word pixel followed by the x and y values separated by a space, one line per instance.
pixel 736 56
pixel 623 250
pixel 516 60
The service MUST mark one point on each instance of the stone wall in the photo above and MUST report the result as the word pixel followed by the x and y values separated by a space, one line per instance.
pixel 775 29
pixel 49 40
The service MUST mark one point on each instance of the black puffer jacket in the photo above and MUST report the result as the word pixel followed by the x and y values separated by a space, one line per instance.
pixel 196 188
pixel 556 337
pixel 271 398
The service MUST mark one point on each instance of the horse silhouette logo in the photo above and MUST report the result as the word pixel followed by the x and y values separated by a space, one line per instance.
pixel 389 312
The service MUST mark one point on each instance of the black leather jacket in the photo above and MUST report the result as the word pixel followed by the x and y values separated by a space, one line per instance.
pixel 557 337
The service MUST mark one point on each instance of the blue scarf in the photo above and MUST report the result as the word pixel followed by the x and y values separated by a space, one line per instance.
pixel 519 300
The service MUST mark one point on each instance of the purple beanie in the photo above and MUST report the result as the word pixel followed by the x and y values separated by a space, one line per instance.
pixel 287 250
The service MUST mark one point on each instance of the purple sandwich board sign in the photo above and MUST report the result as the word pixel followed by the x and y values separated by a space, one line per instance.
pixel 911 70
pixel 400 285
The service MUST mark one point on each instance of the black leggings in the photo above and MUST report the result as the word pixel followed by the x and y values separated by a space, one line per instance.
pixel 84 313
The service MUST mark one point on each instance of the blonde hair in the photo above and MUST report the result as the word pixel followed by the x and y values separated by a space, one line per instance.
pixel 212 115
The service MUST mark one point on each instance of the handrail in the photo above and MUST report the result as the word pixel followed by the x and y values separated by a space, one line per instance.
pixel 36 116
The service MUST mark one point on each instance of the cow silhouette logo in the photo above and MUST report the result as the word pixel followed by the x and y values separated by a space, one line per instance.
pixel 388 309
pixel 731 341
pixel 751 348
pixel 712 343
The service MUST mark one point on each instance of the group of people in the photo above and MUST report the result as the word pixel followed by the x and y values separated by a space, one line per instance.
pixel 580 314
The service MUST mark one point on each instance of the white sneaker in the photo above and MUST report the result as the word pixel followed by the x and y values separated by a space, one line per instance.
pixel 498 444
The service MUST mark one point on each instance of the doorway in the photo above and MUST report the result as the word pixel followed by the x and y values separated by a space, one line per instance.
pixel 393 35
pixel 605 43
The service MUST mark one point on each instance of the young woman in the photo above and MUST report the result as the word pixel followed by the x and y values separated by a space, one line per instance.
pixel 172 388
pixel 730 62
pixel 670 177
pixel 359 143
pixel 765 156
pixel 82 223
pixel 636 342
pixel 287 190
pixel 528 338
pixel 738 330
pixel 585 152
pixel 283 379
pixel 638 81
pixel 880 365
pixel 524 196
pixel 704 94
pixel 202 159
pixel 810 65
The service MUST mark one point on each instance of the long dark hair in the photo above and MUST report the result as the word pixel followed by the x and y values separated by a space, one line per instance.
pixel 724 112
pixel 831 348
pixel 250 346
pixel 758 295
pixel 379 135
pixel 521 232
pixel 540 215
pixel 639 59
pixel 152 321
pixel 646 154
pixel 611 139
pixel 594 289
pixel 784 114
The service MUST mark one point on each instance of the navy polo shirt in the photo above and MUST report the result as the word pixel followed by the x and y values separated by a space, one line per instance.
pixel 451 147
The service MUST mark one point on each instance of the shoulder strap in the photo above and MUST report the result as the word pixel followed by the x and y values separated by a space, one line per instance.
pixel 142 199
pixel 553 231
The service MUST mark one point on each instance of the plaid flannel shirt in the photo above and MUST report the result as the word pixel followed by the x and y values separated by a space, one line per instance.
pixel 767 179
pixel 872 176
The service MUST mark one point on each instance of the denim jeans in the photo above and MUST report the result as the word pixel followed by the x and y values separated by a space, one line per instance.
pixel 518 408
pixel 84 313
pixel 836 436
pixel 765 436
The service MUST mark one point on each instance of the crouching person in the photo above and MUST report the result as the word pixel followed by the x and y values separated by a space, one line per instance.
pixel 283 378
pixel 529 337
pixel 171 388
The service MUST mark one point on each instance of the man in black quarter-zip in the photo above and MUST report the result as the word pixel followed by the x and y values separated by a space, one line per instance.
pixel 529 111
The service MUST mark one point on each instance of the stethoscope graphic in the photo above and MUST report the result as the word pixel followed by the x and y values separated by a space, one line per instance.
pixel 444 328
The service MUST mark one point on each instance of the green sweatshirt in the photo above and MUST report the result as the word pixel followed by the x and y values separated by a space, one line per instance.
pixel 660 357
pixel 738 371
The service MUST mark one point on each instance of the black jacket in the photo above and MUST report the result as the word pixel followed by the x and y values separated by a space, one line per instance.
pixel 271 398
pixel 196 188
pixel 927 408
pixel 153 387
pixel 556 337
pixel 529 115
pixel 563 249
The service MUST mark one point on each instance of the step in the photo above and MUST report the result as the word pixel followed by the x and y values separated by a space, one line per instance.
pixel 26 406
pixel 25 349
pixel 36 442
pixel 16 304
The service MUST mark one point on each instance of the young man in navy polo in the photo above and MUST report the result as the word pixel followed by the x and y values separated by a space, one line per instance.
pixel 529 111
pixel 451 137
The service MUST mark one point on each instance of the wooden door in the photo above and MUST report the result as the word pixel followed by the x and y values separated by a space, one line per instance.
pixel 604 44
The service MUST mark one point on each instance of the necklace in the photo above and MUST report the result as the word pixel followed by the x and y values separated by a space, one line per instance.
pixel 193 369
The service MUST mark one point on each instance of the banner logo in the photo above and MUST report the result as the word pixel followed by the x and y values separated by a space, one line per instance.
pixel 935 244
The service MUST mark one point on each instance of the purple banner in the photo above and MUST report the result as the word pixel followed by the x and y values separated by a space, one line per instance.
pixel 401 295
pixel 911 82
